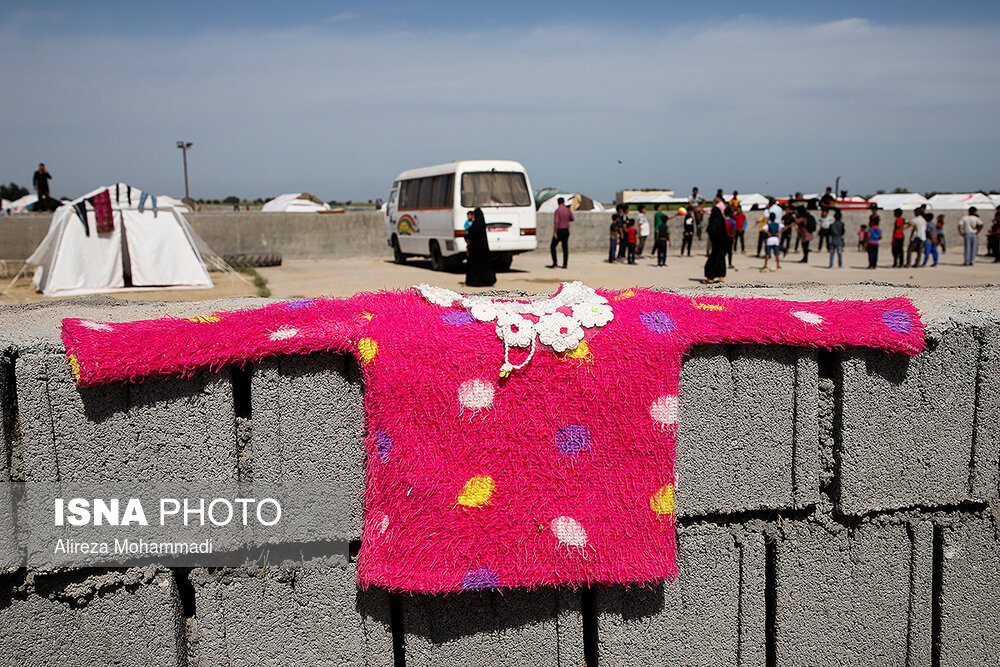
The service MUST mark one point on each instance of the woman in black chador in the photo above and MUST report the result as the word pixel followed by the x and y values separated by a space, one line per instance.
pixel 715 266
pixel 478 271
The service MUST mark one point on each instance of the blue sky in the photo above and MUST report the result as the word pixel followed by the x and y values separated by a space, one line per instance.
pixel 337 98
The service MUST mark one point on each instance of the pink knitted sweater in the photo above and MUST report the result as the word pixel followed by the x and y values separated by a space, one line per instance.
pixel 509 443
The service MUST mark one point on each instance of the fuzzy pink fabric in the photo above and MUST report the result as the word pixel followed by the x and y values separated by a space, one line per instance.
pixel 561 473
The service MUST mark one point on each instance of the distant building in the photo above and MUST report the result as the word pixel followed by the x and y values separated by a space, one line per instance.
pixel 634 197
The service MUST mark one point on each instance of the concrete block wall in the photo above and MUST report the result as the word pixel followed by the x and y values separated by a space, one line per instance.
pixel 362 233
pixel 835 507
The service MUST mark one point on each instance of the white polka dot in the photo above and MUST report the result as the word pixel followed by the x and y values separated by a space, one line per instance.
pixel 96 326
pixel 806 316
pixel 569 531
pixel 282 333
pixel 476 394
pixel 664 410
pixel 384 526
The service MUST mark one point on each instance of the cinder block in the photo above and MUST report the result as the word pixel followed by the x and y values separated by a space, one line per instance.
pixel 512 627
pixel 309 616
pixel 308 425
pixel 908 424
pixel 128 618
pixel 696 620
pixel 970 594
pixel 9 553
pixel 986 451
pixel 843 598
pixel 745 441
pixel 157 429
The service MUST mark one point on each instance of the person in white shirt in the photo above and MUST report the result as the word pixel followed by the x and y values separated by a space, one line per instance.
pixel 825 221
pixel 773 244
pixel 918 237
pixel 969 227
pixel 642 226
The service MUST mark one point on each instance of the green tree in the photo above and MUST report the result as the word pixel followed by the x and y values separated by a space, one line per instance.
pixel 231 199
pixel 12 191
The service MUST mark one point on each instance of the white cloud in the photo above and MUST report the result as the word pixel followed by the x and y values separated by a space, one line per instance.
pixel 746 104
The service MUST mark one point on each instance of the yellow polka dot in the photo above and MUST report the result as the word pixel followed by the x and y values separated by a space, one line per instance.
pixel 625 294
pixel 74 365
pixel 708 306
pixel 367 316
pixel 204 319
pixel 477 491
pixel 368 348
pixel 662 502
pixel 581 351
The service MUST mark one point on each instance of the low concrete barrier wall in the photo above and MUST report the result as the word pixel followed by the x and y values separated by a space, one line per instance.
pixel 835 507
pixel 362 234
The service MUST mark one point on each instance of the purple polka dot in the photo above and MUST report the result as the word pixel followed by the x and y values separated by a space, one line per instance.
pixel 297 304
pixel 383 441
pixel 897 321
pixel 657 322
pixel 479 578
pixel 573 439
pixel 457 318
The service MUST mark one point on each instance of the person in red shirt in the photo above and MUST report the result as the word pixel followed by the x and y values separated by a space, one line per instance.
pixel 741 224
pixel 897 238
pixel 560 232
pixel 630 236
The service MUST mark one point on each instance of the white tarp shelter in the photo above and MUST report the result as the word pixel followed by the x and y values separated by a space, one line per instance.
pixel 21 204
pixel 906 201
pixel 961 201
pixel 143 251
pixel 575 201
pixel 748 200
pixel 295 202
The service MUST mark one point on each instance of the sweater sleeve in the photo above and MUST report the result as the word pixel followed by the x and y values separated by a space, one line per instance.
pixel 892 324
pixel 100 352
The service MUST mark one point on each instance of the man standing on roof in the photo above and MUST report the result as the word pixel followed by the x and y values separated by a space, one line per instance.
pixel 560 232
pixel 41 181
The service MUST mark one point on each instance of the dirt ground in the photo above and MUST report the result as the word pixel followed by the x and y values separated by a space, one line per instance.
pixel 343 277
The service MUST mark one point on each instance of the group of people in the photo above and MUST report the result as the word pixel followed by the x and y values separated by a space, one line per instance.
pixel 927 234
pixel 629 234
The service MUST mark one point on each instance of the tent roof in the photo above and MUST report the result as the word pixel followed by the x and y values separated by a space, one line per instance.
pixel 905 200
pixel 295 202
pixel 959 201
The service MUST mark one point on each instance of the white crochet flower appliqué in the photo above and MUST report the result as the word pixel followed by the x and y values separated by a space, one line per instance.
pixel 560 331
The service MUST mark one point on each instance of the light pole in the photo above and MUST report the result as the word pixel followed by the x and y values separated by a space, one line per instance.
pixel 184 146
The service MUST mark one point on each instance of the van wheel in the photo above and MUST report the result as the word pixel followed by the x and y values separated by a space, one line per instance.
pixel 397 253
pixel 502 263
pixel 437 259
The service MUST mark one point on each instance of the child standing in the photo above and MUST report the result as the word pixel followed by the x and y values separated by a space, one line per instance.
pixel 689 229
pixel 630 235
pixel 662 237
pixel 874 236
pixel 862 237
pixel 773 244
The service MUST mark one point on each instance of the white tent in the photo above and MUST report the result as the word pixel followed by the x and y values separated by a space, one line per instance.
pixel 748 200
pixel 961 201
pixel 21 204
pixel 166 201
pixel 906 201
pixel 144 250
pixel 575 200
pixel 995 199
pixel 295 202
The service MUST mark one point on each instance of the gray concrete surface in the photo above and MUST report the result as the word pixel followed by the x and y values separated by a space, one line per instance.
pixel 743 440
pixel 312 616
pixel 927 402
pixel 514 627
pixel 130 618
pixel 970 593
pixel 872 522
pixel 697 619
pixel 843 598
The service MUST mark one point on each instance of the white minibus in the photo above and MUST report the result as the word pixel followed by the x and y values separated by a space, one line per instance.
pixel 426 212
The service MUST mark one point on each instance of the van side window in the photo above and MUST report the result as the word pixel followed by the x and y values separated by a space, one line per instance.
pixel 408 193
pixel 426 197
pixel 442 191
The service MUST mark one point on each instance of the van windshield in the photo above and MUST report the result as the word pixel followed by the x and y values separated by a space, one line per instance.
pixel 494 188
